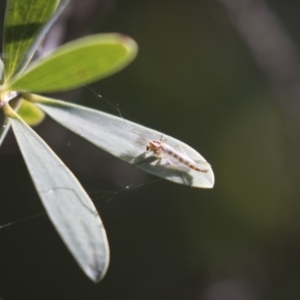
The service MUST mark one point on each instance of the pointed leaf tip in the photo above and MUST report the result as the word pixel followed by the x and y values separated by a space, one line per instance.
pixel 128 141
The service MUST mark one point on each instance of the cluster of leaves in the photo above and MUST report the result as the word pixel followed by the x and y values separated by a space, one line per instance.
pixel 74 64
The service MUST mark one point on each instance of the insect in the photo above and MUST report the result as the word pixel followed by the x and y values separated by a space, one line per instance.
pixel 161 149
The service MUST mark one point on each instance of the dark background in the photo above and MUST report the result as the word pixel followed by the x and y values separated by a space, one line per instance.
pixel 211 77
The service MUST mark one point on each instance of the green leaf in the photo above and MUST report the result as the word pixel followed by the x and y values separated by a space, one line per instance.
pixel 24 30
pixel 4 130
pixel 1 71
pixel 128 141
pixel 77 63
pixel 66 202
pixel 30 113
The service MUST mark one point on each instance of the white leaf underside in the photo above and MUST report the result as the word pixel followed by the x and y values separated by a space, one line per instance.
pixel 66 202
pixel 128 141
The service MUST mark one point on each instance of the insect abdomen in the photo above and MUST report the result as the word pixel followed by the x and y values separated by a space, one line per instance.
pixel 181 159
pixel 197 169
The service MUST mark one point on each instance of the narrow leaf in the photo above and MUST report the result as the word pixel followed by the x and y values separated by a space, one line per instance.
pixel 77 63
pixel 1 71
pixel 24 21
pixel 128 141
pixel 67 204
pixel 5 126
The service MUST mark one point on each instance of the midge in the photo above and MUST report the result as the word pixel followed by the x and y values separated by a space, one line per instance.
pixel 161 149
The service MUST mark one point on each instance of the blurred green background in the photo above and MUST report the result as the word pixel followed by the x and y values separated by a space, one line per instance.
pixel 196 79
